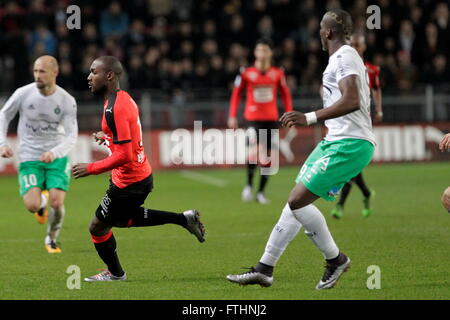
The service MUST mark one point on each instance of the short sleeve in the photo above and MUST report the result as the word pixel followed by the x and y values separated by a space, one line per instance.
pixel 346 66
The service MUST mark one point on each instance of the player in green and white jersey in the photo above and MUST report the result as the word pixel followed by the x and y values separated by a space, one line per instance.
pixel 47 131
pixel 347 148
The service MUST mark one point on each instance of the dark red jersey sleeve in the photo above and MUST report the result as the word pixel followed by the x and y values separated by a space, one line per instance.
pixel 239 87
pixel 121 155
pixel 285 93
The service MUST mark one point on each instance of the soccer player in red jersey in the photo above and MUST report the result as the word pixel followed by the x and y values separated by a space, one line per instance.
pixel 261 83
pixel 359 43
pixel 131 178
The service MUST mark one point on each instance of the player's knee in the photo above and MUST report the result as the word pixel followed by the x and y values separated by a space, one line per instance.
pixel 98 228
pixel 294 201
pixel 56 203
pixel 32 205
pixel 445 199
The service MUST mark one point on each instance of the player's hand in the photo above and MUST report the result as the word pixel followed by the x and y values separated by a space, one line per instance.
pixel 444 145
pixel 80 170
pixel 232 123
pixel 99 137
pixel 47 157
pixel 293 118
pixel 378 117
pixel 6 152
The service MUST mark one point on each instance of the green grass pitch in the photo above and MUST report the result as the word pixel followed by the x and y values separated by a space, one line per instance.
pixel 407 237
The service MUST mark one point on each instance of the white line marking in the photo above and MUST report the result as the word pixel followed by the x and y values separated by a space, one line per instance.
pixel 200 177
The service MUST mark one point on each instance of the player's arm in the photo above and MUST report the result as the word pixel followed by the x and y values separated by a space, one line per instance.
pixel 286 96
pixel 444 145
pixel 122 154
pixel 7 113
pixel 239 86
pixel 376 94
pixel 70 125
pixel 349 102
pixel 119 123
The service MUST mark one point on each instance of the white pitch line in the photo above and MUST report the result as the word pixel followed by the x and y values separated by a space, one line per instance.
pixel 200 177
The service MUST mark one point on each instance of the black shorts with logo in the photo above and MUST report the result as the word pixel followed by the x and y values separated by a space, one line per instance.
pixel 268 126
pixel 119 204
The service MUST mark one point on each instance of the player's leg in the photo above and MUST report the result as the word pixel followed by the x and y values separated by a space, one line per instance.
pixel 247 192
pixel 105 244
pixel 56 215
pixel 264 139
pixel 145 217
pixel 138 216
pixel 445 199
pixel 31 185
pixel 57 179
pixel 338 210
pixel 367 193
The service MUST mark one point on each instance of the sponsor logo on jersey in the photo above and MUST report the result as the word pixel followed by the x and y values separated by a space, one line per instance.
pixel 252 75
pixel 57 110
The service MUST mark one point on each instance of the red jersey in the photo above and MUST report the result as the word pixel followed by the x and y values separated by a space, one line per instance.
pixel 123 135
pixel 374 76
pixel 261 91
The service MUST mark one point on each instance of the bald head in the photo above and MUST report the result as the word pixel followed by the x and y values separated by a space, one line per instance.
pixel 47 62
pixel 45 71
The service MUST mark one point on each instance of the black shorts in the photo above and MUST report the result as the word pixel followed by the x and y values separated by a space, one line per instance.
pixel 268 126
pixel 118 205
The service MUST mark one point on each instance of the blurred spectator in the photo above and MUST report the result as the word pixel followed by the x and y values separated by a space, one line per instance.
pixel 65 78
pixel 265 27
pixel 438 72
pixel 38 14
pixel 42 41
pixel 406 72
pixel 113 21
pixel 136 73
pixel 406 35
pixel 111 48
pixel 184 44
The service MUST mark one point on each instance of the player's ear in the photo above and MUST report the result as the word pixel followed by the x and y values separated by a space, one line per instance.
pixel 110 76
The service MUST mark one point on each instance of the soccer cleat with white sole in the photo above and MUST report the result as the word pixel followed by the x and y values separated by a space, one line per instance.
pixel 105 275
pixel 194 225
pixel 247 194
pixel 332 273
pixel 261 198
pixel 251 277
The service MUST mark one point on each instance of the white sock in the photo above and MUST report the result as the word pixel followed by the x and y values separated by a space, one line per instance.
pixel 284 231
pixel 317 230
pixel 55 221
pixel 43 202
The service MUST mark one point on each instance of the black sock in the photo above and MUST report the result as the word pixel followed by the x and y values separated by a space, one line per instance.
pixel 264 269
pixel 107 252
pixel 362 185
pixel 344 193
pixel 144 217
pixel 340 259
pixel 250 173
pixel 263 182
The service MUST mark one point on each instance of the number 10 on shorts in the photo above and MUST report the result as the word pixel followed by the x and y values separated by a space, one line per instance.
pixel 29 180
